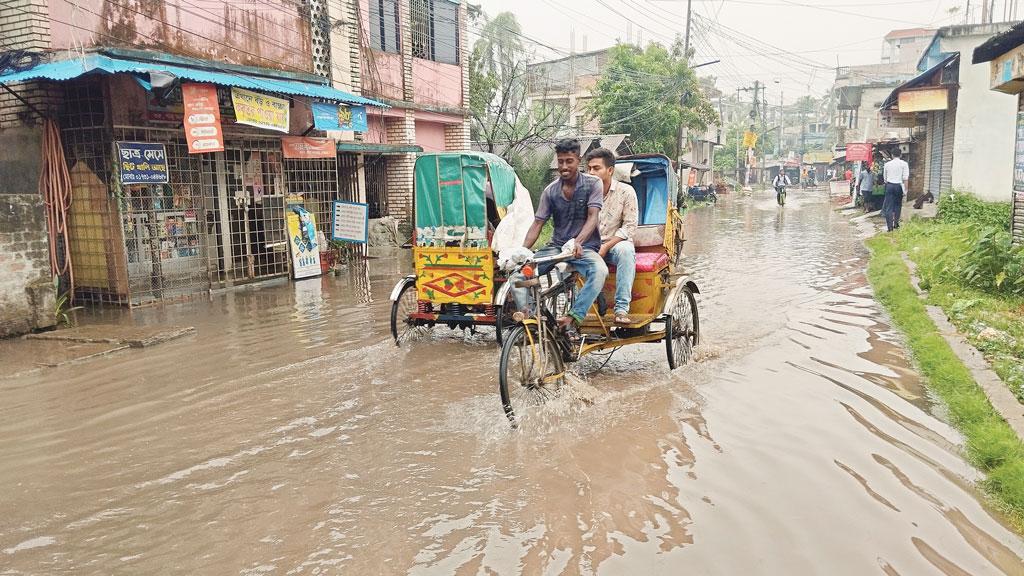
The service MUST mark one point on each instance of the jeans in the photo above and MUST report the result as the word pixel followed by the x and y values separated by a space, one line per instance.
pixel 892 206
pixel 591 266
pixel 623 257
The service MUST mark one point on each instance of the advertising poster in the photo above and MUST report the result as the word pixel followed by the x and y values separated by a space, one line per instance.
pixel 142 163
pixel 334 117
pixel 260 110
pixel 302 242
pixel 351 222
pixel 300 147
pixel 202 118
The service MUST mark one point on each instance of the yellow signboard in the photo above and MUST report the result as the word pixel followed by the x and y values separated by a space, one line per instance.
pixel 749 139
pixel 260 110
pixel 924 100
pixel 454 275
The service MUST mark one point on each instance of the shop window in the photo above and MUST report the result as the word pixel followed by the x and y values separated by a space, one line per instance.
pixel 384 25
pixel 435 30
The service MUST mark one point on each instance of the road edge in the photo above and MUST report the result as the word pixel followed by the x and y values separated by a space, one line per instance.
pixel 991 444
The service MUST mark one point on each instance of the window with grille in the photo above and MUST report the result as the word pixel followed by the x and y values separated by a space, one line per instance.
pixel 384 33
pixel 435 30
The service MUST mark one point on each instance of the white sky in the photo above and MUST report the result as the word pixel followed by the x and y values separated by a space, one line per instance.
pixel 794 41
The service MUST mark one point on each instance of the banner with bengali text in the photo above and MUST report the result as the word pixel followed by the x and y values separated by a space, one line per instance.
pixel 202 118
pixel 260 110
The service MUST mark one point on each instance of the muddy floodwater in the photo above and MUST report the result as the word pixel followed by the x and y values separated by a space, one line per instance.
pixel 290 436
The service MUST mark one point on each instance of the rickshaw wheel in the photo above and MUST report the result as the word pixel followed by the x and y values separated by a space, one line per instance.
pixel 520 378
pixel 682 330
pixel 402 330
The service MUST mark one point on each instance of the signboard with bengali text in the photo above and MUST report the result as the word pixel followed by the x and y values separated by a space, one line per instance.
pixel 858 152
pixel 923 100
pixel 260 110
pixel 300 147
pixel 142 163
pixel 202 118
pixel 351 222
pixel 327 116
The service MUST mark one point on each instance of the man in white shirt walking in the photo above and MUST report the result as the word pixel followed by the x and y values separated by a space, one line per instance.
pixel 896 173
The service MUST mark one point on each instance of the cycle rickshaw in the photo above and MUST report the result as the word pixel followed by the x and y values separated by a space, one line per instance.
pixel 534 354
pixel 466 206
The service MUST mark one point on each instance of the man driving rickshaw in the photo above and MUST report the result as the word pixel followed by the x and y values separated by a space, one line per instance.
pixel 573 202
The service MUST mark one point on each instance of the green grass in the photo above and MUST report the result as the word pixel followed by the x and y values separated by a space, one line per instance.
pixel 993 323
pixel 991 444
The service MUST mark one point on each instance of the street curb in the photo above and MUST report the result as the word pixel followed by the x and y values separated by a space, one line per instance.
pixel 998 393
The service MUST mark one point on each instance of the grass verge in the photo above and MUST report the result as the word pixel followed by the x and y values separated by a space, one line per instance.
pixel 991 444
pixel 992 322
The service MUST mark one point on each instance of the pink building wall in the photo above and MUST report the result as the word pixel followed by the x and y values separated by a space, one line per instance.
pixel 430 135
pixel 436 84
pixel 382 74
pixel 267 33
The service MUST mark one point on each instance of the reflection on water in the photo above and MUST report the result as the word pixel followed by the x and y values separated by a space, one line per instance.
pixel 288 436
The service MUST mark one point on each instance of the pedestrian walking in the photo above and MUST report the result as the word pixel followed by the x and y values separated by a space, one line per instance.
pixel 896 174
pixel 865 184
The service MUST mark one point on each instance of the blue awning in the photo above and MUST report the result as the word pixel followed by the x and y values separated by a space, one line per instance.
pixel 101 63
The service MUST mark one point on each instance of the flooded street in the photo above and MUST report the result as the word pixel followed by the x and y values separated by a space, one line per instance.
pixel 290 436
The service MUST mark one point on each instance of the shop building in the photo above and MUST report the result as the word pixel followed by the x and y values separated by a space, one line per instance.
pixel 220 218
pixel 414 58
pixel 963 122
pixel 1004 55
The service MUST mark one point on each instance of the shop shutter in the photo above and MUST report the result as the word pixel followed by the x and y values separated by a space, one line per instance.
pixel 936 124
pixel 948 132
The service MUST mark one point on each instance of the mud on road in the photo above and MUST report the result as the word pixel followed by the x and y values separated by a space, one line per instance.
pixel 289 436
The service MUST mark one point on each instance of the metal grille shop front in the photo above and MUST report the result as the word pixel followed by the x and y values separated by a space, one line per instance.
pixel 220 219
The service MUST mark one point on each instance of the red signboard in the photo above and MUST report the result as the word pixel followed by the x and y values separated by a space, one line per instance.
pixel 300 147
pixel 858 152
pixel 202 118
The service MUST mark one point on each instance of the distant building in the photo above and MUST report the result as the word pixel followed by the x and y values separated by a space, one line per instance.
pixel 859 91
pixel 567 84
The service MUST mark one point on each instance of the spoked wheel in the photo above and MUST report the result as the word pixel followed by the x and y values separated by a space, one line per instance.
pixel 402 327
pixel 528 374
pixel 682 330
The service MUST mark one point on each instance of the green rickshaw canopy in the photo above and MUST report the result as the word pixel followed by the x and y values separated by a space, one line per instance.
pixel 451 191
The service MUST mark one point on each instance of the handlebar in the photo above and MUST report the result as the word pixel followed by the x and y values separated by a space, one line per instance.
pixel 555 259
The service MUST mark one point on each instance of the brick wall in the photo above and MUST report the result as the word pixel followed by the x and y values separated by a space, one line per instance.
pixel 26 292
pixel 27 297
pixel 401 130
pixel 24 25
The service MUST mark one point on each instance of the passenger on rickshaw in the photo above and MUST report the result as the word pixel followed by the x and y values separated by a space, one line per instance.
pixel 618 221
pixel 574 202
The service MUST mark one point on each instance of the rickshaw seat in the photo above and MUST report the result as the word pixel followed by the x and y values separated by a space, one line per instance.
pixel 648 262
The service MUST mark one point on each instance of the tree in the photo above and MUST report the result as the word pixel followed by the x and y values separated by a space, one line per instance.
pixel 501 120
pixel 649 94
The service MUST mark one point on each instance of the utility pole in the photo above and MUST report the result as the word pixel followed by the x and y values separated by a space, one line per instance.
pixel 686 50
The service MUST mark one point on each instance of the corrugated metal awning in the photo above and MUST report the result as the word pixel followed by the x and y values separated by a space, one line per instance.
pixel 94 63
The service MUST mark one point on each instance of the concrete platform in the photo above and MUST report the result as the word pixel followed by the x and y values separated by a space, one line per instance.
pixel 134 336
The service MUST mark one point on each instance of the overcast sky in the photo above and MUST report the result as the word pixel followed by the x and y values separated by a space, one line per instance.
pixel 798 42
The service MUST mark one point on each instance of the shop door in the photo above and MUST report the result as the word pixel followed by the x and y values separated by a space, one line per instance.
pixel 245 213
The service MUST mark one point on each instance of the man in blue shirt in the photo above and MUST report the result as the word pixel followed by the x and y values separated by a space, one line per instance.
pixel 574 203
